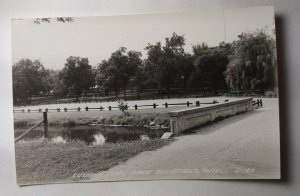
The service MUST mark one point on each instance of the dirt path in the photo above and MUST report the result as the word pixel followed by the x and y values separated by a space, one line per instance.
pixel 243 146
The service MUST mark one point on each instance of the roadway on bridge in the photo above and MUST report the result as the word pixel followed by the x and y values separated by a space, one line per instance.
pixel 243 146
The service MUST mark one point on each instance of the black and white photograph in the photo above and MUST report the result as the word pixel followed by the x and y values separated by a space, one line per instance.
pixel 162 96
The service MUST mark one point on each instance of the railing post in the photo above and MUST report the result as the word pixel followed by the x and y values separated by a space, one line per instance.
pixel 166 105
pixel 86 108
pixel 109 108
pixel 260 102
pixel 197 103
pixel 78 109
pixel 188 104
pixel 154 105
pixel 45 124
pixel 135 107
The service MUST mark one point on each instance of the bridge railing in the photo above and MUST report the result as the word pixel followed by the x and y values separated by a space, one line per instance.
pixel 258 102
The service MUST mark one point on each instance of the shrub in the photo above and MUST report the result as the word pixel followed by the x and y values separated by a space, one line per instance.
pixel 122 105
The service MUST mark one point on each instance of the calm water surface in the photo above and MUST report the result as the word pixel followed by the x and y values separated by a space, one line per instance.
pixel 93 135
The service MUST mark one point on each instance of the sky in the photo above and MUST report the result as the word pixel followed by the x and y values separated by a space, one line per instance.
pixel 97 37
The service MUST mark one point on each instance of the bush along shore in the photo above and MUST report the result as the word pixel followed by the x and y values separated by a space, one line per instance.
pixel 126 119
pixel 150 120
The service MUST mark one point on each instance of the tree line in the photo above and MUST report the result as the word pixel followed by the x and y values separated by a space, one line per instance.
pixel 249 63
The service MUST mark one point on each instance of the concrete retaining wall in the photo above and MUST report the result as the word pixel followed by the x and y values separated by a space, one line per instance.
pixel 185 119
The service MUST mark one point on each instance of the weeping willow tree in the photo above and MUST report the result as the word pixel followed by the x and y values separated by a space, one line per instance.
pixel 252 63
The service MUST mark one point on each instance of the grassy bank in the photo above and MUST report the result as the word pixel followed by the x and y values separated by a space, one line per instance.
pixel 137 120
pixel 116 119
pixel 41 161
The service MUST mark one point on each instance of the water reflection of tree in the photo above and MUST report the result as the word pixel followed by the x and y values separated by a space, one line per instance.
pixel 79 133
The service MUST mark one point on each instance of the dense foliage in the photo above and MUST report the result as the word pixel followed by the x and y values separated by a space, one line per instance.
pixel 77 76
pixel 29 78
pixel 248 63
pixel 252 62
pixel 116 72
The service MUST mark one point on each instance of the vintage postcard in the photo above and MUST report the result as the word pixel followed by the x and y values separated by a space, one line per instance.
pixel 186 95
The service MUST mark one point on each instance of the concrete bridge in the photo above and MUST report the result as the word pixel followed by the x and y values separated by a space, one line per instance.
pixel 185 119
pixel 244 146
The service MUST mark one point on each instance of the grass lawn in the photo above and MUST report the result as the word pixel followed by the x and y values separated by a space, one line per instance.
pixel 41 161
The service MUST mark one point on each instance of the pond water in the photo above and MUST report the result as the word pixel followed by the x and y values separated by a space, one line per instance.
pixel 93 135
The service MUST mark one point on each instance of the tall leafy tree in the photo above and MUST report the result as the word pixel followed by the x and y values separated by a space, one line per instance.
pixel 184 69
pixel 174 58
pixel 77 76
pixel 56 86
pixel 106 78
pixel 154 65
pixel 210 64
pixel 252 63
pixel 200 49
pixel 168 65
pixel 116 72
pixel 28 79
